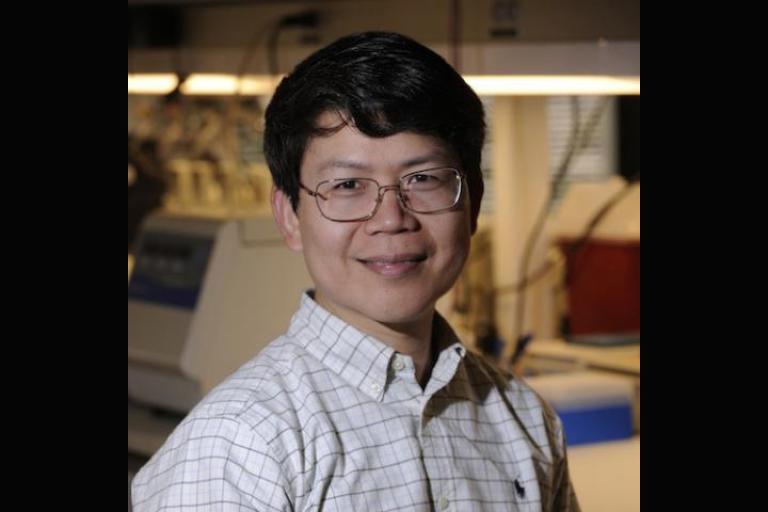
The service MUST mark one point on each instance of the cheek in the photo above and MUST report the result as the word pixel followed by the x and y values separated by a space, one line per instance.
pixel 454 247
pixel 458 258
pixel 326 248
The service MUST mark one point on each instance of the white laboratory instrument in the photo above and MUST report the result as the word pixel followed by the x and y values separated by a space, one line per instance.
pixel 205 296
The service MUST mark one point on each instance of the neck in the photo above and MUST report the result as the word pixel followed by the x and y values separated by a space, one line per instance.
pixel 412 338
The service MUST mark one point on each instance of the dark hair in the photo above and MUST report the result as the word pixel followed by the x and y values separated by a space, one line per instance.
pixel 384 83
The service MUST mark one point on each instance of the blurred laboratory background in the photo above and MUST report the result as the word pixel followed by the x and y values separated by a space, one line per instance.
pixel 552 288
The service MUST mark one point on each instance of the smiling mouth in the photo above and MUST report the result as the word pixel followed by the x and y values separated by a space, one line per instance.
pixel 393 266
pixel 398 258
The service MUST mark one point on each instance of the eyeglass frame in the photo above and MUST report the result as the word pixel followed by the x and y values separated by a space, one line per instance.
pixel 380 195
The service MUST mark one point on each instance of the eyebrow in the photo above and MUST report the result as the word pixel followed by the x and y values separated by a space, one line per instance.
pixel 343 164
pixel 436 156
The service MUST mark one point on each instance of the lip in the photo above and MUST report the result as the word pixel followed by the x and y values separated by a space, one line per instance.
pixel 395 258
pixel 393 266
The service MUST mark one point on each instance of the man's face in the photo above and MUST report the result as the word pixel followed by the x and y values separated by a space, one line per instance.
pixel 393 267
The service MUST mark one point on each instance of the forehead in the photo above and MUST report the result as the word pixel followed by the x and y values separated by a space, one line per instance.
pixel 350 149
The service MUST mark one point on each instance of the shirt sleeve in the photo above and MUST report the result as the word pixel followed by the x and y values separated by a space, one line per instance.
pixel 563 494
pixel 212 464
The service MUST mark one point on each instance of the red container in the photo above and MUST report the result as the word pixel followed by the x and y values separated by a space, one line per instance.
pixel 603 283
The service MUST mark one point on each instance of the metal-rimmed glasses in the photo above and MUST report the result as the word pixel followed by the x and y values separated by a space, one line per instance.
pixel 358 199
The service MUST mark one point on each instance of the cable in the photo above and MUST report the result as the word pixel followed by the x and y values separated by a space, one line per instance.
pixel 455 32
pixel 599 216
pixel 250 49
pixel 306 19
pixel 543 270
pixel 580 138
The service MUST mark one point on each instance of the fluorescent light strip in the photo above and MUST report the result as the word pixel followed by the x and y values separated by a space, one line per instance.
pixel 259 85
pixel 521 85
pixel 151 84
pixel 484 85
pixel 228 85
pixel 212 85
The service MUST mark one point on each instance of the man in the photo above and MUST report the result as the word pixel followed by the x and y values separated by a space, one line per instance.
pixel 369 402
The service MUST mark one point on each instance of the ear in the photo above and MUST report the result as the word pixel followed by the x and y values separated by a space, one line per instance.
pixel 286 219
pixel 476 198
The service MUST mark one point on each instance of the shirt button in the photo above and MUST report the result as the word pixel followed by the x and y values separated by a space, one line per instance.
pixel 443 503
pixel 399 364
pixel 376 388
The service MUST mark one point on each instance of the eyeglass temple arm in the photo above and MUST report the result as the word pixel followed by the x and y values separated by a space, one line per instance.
pixel 313 194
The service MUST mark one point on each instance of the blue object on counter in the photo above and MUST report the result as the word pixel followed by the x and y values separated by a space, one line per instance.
pixel 594 407
pixel 595 425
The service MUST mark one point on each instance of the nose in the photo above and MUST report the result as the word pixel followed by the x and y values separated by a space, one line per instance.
pixel 391 216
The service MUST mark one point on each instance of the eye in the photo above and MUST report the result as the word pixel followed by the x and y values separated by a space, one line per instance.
pixel 348 185
pixel 425 182
pixel 353 187
pixel 421 178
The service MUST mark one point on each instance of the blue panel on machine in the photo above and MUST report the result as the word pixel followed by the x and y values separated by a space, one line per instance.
pixel 170 269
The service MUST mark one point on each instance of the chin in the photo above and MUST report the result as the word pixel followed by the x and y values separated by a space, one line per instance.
pixel 398 310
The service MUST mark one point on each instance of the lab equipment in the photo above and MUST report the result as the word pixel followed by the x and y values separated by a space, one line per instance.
pixel 593 406
pixel 206 295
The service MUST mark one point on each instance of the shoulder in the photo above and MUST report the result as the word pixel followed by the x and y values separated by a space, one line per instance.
pixel 266 393
pixel 212 461
pixel 529 408
pixel 233 443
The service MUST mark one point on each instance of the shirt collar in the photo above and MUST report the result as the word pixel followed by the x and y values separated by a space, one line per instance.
pixel 360 359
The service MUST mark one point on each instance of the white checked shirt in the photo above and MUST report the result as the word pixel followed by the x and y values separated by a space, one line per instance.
pixel 329 418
